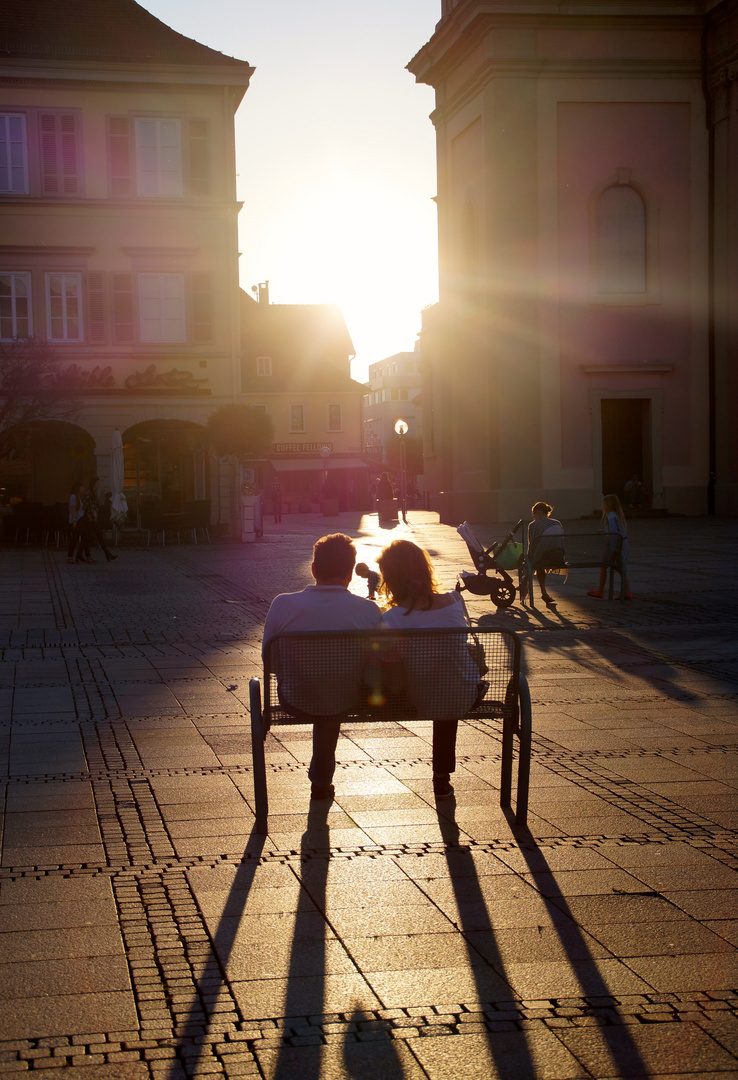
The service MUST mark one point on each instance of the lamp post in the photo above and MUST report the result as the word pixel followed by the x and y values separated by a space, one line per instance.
pixel 401 429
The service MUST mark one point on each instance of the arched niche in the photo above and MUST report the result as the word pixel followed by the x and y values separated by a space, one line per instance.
pixel 166 462
pixel 623 242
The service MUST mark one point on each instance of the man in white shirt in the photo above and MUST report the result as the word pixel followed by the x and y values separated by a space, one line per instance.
pixel 326 605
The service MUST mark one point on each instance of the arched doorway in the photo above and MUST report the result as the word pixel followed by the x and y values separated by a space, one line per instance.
pixel 165 464
pixel 42 460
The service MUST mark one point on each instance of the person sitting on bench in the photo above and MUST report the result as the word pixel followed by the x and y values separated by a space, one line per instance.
pixel 446 689
pixel 545 545
pixel 326 605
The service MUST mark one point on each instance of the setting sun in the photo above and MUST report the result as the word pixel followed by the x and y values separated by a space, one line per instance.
pixel 363 242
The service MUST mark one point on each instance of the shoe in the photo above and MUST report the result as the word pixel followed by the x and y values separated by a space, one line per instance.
pixel 548 599
pixel 628 596
pixel 442 787
pixel 111 557
pixel 596 592
pixel 322 791
pixel 70 560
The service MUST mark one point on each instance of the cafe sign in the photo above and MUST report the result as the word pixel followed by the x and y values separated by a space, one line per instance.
pixel 300 447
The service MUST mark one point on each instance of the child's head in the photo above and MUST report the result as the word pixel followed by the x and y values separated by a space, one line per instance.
pixel 541 509
pixel 362 569
pixel 611 505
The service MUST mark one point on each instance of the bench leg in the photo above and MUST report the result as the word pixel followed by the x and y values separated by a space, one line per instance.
pixel 526 738
pixel 261 798
pixel 529 572
pixel 508 729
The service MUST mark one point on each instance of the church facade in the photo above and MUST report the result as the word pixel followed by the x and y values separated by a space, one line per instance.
pixel 588 255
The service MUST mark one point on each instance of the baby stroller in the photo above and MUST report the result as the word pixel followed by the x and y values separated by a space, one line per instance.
pixel 502 556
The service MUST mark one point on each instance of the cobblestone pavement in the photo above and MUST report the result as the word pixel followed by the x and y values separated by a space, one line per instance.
pixel 146 931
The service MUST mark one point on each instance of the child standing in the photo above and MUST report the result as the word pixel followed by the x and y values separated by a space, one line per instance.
pixel 614 522
pixel 372 579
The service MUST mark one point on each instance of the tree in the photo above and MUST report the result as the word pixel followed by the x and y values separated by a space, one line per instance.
pixel 33 387
pixel 243 431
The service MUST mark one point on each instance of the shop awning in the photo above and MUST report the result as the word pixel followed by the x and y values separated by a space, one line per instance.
pixel 284 465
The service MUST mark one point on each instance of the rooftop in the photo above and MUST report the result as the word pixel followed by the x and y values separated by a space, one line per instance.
pixel 117 30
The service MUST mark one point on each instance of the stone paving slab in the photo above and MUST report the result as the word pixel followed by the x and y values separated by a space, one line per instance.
pixel 146 931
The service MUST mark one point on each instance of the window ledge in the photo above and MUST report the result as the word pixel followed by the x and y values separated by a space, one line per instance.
pixel 627 369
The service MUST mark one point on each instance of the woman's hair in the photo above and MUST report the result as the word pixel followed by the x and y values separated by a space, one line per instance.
pixel 611 505
pixel 407 576
pixel 541 508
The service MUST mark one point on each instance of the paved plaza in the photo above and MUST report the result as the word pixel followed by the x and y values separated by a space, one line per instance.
pixel 146 930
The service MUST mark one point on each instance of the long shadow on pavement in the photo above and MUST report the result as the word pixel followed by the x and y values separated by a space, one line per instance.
pixel 616 1037
pixel 602 643
pixel 509 1050
pixel 307 998
pixel 213 976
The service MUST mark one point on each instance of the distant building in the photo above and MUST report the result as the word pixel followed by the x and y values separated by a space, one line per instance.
pixel 391 393
pixel 296 364
pixel 587 199
pixel 118 226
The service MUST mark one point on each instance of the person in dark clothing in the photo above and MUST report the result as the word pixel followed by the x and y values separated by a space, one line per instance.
pixel 91 529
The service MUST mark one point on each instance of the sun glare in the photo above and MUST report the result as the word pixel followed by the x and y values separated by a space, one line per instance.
pixel 356 241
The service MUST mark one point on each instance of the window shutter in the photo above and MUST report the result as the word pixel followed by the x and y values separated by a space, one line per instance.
pixel 96 306
pixel 119 155
pixel 202 308
pixel 59 154
pixel 198 146
pixel 122 289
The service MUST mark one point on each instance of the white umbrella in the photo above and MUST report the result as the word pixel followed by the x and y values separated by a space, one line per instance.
pixel 118 504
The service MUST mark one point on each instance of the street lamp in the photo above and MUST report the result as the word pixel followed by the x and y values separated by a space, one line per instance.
pixel 401 429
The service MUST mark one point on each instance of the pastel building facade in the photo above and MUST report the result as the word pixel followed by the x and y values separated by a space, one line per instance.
pixel 392 393
pixel 118 241
pixel 587 247
pixel 296 366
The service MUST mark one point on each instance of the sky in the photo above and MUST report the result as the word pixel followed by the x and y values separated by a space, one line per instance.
pixel 335 156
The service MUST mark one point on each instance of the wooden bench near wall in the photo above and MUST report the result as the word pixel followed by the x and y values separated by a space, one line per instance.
pixel 353 676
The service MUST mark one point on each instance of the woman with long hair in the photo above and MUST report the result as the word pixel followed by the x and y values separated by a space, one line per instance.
pixel 614 523
pixel 447 688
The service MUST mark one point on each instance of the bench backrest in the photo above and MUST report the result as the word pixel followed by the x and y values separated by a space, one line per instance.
pixel 391 675
pixel 593 549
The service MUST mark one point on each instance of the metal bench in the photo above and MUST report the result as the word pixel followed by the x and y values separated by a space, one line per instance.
pixel 588 551
pixel 392 676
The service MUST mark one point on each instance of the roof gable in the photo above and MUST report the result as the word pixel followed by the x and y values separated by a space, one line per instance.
pixel 98 29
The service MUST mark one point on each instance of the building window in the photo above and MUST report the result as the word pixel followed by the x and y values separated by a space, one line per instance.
pixel 61 168
pixel 263 365
pixel 15 306
pixel 64 307
pixel 335 419
pixel 621 241
pixel 297 418
pixel 13 154
pixel 161 299
pixel 158 157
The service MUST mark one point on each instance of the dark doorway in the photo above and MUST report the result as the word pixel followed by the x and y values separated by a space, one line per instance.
pixel 626 443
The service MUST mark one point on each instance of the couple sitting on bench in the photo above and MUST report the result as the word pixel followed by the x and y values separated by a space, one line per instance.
pixel 442 691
